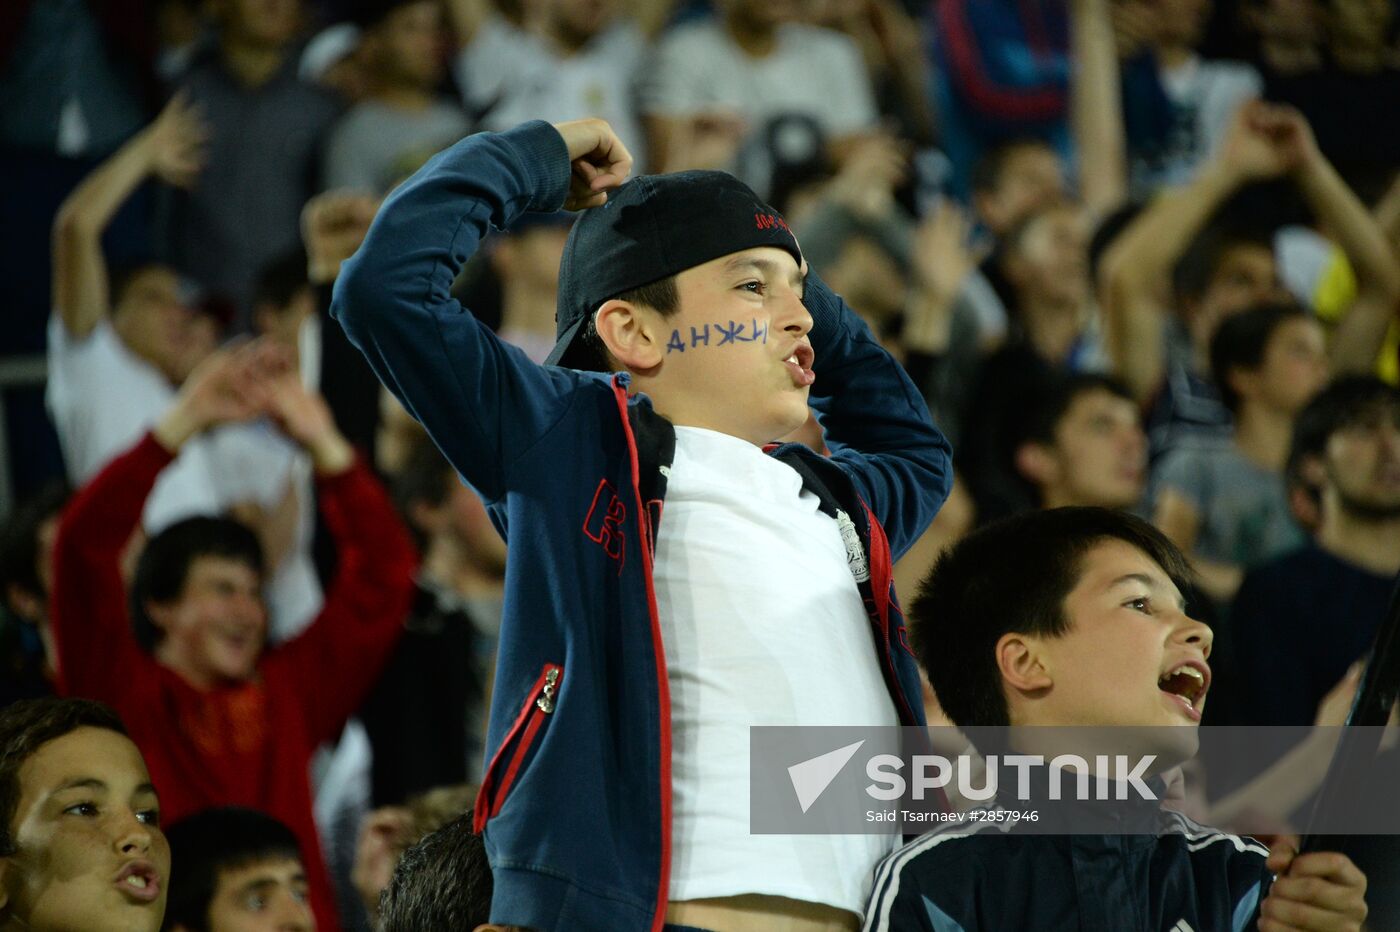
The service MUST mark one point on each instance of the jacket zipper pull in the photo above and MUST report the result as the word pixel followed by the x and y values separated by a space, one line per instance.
pixel 551 682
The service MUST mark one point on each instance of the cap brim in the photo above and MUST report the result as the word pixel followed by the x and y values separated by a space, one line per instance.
pixel 559 355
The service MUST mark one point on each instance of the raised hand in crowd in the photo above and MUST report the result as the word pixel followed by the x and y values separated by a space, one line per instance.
pixel 333 225
pixel 170 148
pixel 304 416
pixel 230 385
pixel 874 169
pixel 176 142
pixel 598 160
pixel 944 255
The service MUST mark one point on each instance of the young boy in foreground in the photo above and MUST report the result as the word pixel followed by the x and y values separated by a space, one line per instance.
pixel 669 584
pixel 1074 617
pixel 80 841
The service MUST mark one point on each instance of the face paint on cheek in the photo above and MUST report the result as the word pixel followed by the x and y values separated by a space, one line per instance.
pixel 729 332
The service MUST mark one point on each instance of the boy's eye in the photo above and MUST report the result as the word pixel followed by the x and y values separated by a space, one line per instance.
pixel 753 287
pixel 81 809
pixel 149 816
pixel 1139 605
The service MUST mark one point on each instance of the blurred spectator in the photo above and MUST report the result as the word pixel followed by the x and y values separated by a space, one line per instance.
pixel 1053 331
pixel 426 716
pixel 402 120
pixel 561 60
pixel 27 661
pixel 891 43
pixel 1289 34
pixel 718 83
pixel 1222 499
pixel 237 870
pixel 333 225
pixel 442 884
pixel 224 721
pixel 1201 95
pixel 1001 73
pixel 1160 346
pixel 335 60
pixel 80 839
pixel 387 832
pixel 73 74
pixel 266 131
pixel 527 264
pixel 1084 445
pixel 1303 619
pixel 119 343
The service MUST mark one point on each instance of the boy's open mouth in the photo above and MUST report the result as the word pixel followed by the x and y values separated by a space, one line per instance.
pixel 1187 683
pixel 800 365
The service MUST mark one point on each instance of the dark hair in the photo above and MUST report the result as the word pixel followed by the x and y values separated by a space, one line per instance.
pixel 1198 266
pixel 590 353
pixel 212 841
pixel 426 477
pixel 988 169
pixel 166 561
pixel 1346 401
pixel 1012 576
pixel 28 725
pixel 1059 393
pixel 120 276
pixel 1240 342
pixel 19 540
pixel 441 884
pixel 281 280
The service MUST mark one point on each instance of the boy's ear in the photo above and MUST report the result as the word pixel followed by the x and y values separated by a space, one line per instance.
pixel 631 334
pixel 161 615
pixel 1034 462
pixel 1021 665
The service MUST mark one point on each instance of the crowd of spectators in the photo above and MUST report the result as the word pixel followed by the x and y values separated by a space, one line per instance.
pixel 1137 254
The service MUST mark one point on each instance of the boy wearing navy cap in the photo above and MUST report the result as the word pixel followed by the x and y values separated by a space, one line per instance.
pixel 670 583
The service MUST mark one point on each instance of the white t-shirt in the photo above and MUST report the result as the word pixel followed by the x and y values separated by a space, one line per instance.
pixel 812 71
pixel 508 76
pixel 763 625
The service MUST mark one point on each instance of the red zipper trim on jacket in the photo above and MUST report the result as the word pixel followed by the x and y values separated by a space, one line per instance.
pixel 539 702
pixel 663 686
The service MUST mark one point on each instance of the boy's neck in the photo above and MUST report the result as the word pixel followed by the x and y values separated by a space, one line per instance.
pixel 1263 436
pixel 754 40
pixel 1372 544
pixel 252 65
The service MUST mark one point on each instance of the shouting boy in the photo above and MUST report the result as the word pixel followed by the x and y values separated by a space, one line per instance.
pixel 636 649
pixel 1074 617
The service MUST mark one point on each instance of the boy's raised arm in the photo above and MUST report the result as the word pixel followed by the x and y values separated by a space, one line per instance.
pixel 483 401
pixel 876 422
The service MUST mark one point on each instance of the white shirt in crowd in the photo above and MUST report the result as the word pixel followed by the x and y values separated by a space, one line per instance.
pixel 103 398
pixel 762 624
pixel 509 75
pixel 818 72
pixel 1204 95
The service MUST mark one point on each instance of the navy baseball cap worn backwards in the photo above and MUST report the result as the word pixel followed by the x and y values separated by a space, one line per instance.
pixel 653 227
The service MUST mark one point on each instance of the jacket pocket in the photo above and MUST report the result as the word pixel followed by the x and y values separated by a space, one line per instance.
pixel 506 763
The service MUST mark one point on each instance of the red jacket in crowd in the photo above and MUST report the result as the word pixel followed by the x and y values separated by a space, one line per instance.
pixel 247 744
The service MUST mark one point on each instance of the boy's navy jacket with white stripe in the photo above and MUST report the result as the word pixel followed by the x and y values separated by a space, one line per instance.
pixel 986 877
pixel 575 802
